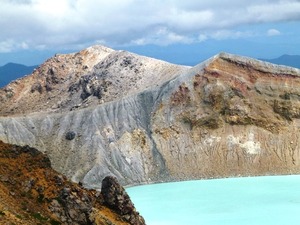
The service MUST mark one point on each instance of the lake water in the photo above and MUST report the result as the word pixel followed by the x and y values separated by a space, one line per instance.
pixel 271 200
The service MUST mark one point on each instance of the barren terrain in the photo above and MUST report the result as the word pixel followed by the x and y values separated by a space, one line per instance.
pixel 102 112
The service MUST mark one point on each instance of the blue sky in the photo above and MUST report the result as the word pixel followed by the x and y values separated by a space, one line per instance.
pixel 184 32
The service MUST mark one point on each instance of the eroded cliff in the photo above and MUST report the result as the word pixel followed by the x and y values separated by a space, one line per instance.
pixel 228 116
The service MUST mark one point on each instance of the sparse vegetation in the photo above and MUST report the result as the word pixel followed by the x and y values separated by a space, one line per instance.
pixel 39 217
pixel 40 195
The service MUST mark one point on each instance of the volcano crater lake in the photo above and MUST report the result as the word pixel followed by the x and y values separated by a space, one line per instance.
pixel 265 200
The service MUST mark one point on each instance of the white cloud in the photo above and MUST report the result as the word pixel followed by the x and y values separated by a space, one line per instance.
pixel 228 34
pixel 65 23
pixel 8 45
pixel 273 32
pixel 202 37
pixel 163 37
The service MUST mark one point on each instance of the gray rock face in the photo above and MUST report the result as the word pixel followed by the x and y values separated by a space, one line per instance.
pixel 229 116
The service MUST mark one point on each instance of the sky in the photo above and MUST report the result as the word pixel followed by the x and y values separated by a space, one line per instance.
pixel 178 31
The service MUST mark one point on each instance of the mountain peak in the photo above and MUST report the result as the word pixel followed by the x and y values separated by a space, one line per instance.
pixel 13 64
pixel 145 120
pixel 98 74
pixel 289 60
pixel 89 77
pixel 260 65
pixel 12 71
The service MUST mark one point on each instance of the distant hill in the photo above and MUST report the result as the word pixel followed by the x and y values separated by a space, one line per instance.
pixel 13 71
pixel 287 60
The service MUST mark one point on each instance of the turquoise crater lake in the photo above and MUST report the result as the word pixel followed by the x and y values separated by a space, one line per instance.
pixel 270 200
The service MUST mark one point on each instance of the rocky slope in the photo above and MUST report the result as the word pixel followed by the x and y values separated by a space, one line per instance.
pixel 144 120
pixel 90 77
pixel 32 193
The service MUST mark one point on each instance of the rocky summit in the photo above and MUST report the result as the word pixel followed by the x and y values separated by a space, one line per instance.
pixel 90 77
pixel 101 112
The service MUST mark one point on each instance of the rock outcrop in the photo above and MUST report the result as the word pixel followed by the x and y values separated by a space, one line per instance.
pixel 32 193
pixel 228 116
pixel 115 197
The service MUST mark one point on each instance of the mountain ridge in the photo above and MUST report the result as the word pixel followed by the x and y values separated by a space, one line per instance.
pixel 285 60
pixel 288 60
pixel 12 71
pixel 85 84
pixel 221 118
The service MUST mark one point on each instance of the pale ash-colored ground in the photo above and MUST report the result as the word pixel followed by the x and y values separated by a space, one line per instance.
pixel 144 120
